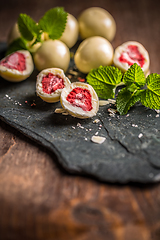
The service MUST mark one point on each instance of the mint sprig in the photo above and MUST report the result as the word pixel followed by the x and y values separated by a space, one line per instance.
pixel 134 76
pixel 54 22
pixel 126 99
pixel 18 44
pixel 104 80
pixel 137 88
pixel 134 80
pixel 27 27
pixel 150 97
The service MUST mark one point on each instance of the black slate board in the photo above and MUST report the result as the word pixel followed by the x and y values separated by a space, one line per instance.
pixel 123 157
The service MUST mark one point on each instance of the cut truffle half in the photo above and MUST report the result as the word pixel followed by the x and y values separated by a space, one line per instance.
pixel 129 53
pixel 17 66
pixel 50 83
pixel 80 100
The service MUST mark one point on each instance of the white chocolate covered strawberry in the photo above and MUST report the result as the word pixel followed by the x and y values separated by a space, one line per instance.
pixel 52 54
pixel 14 33
pixel 71 32
pixel 80 100
pixel 50 83
pixel 17 66
pixel 96 21
pixel 129 53
pixel 93 52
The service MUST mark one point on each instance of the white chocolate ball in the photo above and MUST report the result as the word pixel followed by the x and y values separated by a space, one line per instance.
pixel 52 54
pixel 71 32
pixel 96 21
pixel 92 53
pixel 13 34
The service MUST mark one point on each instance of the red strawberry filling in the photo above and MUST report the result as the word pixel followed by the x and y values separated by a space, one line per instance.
pixel 80 97
pixel 132 55
pixel 51 82
pixel 15 61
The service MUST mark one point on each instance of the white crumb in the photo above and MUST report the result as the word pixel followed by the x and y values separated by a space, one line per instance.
pixel 157 111
pixel 59 110
pixel 103 102
pixel 112 101
pixel 98 139
pixel 134 125
pixel 140 135
pixel 96 121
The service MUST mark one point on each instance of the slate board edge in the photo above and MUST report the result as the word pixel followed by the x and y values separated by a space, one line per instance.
pixel 37 138
pixel 76 169
pixel 72 170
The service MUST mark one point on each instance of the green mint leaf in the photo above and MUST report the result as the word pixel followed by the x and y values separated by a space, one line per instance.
pixel 150 97
pixel 104 80
pixel 28 27
pixel 134 75
pixel 54 22
pixel 132 87
pixel 126 99
pixel 16 45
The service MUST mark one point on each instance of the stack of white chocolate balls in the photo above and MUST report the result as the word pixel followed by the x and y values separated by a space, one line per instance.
pixel 97 28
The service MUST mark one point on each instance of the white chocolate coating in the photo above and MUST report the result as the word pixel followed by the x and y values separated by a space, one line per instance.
pixel 54 96
pixel 14 75
pixel 92 53
pixel 13 34
pixel 77 111
pixel 52 54
pixel 70 35
pixel 123 66
pixel 96 21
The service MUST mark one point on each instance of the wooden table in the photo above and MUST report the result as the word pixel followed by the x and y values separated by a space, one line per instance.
pixel 41 201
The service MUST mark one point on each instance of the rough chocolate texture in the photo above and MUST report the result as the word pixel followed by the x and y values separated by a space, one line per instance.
pixel 129 153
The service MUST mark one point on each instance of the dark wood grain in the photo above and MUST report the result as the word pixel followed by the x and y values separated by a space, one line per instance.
pixel 41 201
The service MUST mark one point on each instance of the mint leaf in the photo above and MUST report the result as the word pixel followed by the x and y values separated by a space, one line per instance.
pixel 54 22
pixel 150 97
pixel 104 80
pixel 132 87
pixel 16 45
pixel 134 75
pixel 28 27
pixel 126 99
